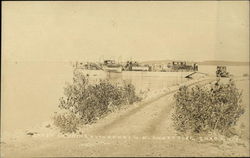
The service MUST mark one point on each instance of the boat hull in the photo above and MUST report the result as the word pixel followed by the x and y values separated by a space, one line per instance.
pixel 140 68
pixel 112 69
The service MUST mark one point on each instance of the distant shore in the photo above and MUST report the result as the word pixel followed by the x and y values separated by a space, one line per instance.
pixel 207 62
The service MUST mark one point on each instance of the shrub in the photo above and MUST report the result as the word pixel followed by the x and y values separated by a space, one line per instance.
pixel 245 75
pixel 92 101
pixel 201 109
pixel 67 122
pixel 129 93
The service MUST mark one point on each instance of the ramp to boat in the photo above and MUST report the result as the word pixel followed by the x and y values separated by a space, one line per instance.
pixel 195 75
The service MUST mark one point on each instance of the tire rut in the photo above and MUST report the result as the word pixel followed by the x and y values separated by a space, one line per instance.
pixel 155 125
pixel 154 122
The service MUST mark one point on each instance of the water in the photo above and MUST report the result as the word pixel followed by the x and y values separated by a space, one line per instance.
pixel 141 80
pixel 30 90
pixel 234 70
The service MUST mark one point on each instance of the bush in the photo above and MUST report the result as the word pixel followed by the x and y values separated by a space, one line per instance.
pixel 92 101
pixel 245 75
pixel 67 122
pixel 202 109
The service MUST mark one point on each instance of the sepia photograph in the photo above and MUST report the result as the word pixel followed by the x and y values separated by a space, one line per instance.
pixel 125 79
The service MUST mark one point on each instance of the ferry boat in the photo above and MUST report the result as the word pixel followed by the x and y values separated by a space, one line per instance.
pixel 135 66
pixel 112 66
pixel 140 68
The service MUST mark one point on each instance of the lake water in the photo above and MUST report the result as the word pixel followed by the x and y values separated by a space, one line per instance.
pixel 141 80
pixel 30 90
pixel 234 70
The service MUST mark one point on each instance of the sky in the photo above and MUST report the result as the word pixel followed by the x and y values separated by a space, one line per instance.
pixel 70 31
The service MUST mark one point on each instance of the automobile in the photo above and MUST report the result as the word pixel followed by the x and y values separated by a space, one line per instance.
pixel 222 71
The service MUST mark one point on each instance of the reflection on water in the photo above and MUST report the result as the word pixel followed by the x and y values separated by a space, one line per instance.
pixel 31 90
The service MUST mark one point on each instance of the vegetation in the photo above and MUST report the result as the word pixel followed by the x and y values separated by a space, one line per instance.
pixel 202 109
pixel 245 75
pixel 91 101
pixel 67 122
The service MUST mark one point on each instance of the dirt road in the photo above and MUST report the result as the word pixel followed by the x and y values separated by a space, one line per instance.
pixel 145 130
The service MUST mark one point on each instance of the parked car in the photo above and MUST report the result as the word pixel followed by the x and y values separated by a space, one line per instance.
pixel 222 71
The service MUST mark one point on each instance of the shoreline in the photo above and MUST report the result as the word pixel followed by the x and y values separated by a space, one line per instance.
pixel 51 135
pixel 47 127
pixel 52 138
